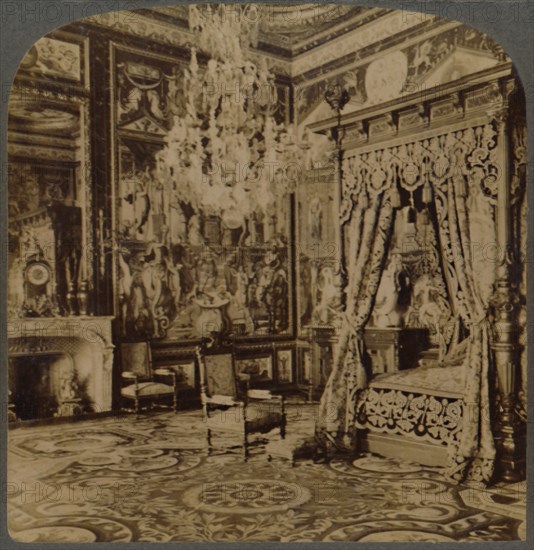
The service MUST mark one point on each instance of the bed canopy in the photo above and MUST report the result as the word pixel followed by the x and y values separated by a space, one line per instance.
pixel 463 162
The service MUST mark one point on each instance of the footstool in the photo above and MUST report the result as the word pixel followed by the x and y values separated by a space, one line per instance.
pixel 293 447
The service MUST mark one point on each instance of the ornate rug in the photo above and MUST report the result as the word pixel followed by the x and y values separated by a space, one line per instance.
pixel 122 479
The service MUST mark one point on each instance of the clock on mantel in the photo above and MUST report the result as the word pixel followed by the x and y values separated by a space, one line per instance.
pixel 50 245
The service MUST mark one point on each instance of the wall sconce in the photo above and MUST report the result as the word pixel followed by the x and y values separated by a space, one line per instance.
pixel 337 97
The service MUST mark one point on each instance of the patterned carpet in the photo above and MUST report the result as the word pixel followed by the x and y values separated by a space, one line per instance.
pixel 121 479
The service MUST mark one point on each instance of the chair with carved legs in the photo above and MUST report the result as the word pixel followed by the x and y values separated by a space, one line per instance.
pixel 146 386
pixel 230 410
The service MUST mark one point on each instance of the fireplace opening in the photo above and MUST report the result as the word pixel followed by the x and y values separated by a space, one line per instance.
pixel 45 385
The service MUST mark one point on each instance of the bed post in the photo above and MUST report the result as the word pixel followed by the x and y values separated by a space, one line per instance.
pixel 508 434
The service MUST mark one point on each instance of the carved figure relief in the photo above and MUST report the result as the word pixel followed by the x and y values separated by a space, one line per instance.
pixel 385 312
pixel 56 58
pixel 327 308
pixel 385 77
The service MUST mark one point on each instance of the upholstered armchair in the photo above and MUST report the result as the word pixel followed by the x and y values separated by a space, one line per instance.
pixel 141 384
pixel 230 408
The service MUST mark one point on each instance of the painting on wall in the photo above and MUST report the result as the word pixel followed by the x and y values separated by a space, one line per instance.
pixel 34 185
pixel 180 290
pixel 260 369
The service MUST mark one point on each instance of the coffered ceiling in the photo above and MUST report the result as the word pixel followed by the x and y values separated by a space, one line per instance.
pixel 291 29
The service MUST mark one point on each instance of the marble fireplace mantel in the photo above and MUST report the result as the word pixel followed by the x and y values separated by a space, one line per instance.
pixel 90 328
pixel 86 341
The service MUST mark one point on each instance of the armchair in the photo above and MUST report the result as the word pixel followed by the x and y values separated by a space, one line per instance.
pixel 143 382
pixel 231 408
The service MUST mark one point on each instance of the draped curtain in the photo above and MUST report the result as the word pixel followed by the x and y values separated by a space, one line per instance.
pixel 460 167
pixel 370 232
pixel 464 234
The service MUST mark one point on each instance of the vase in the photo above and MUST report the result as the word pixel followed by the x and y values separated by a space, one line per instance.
pixel 83 298
pixel 72 303
pixel 212 318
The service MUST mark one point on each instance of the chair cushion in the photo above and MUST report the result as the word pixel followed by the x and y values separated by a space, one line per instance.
pixel 259 394
pixel 147 389
pixel 222 400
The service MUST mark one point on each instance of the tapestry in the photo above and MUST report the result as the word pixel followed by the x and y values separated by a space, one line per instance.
pixel 185 269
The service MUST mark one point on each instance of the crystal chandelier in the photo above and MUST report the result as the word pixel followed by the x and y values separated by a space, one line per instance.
pixel 225 30
pixel 225 153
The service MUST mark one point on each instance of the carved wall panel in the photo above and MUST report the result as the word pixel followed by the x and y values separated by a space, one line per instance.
pixel 49 180
pixel 34 185
pixel 57 57
pixel 316 248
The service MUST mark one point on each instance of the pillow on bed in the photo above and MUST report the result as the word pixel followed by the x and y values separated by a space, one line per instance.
pixel 456 355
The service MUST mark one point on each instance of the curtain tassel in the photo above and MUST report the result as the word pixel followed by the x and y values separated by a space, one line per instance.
pixel 395 197
pixel 427 193
pixel 425 216
pixel 364 200
pixel 460 187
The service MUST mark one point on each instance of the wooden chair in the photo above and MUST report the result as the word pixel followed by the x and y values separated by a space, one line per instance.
pixel 144 385
pixel 231 408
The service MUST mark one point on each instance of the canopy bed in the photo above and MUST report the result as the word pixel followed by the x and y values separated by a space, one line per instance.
pixel 431 203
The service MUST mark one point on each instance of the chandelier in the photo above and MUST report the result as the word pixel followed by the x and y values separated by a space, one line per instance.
pixel 225 154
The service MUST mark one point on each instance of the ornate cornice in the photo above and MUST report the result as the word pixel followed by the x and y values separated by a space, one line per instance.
pixel 353 18
pixel 27 89
pixel 286 30
pixel 41 152
pixel 469 98
pixel 432 51
pixel 93 330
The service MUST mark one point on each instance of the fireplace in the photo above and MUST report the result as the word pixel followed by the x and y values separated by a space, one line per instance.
pixel 47 384
pixel 59 367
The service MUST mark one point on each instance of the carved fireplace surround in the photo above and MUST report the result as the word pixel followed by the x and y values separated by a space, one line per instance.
pixel 79 350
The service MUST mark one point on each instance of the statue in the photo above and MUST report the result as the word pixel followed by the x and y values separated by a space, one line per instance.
pixel 154 100
pixel 272 292
pixel 386 313
pixel 315 218
pixel 432 309
pixel 325 311
pixel 158 284
pixel 125 286
pixel 137 197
